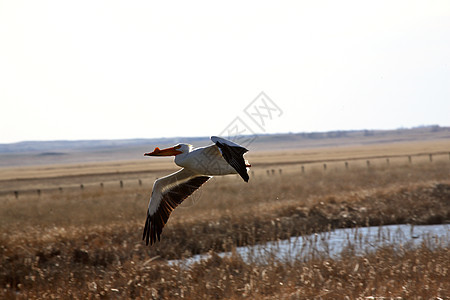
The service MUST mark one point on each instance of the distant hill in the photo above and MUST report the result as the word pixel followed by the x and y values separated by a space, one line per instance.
pixel 62 152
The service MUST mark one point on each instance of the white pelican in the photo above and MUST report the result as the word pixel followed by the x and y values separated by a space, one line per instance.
pixel 199 165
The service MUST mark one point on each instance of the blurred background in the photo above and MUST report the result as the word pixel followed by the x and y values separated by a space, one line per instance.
pixel 343 105
pixel 118 70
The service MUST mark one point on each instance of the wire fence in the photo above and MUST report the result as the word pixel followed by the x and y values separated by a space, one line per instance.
pixel 270 170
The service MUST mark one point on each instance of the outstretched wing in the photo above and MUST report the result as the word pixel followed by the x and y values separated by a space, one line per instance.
pixel 233 154
pixel 168 192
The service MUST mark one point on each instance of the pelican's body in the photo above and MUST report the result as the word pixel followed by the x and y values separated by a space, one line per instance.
pixel 205 160
pixel 222 158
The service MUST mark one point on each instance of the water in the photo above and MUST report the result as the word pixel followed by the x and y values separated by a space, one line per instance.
pixel 356 241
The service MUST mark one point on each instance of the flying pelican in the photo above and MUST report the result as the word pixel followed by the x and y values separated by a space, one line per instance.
pixel 199 165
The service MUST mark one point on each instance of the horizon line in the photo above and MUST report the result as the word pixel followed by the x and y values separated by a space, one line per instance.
pixel 200 136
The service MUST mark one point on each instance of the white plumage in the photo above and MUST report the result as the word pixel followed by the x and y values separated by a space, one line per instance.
pixel 199 165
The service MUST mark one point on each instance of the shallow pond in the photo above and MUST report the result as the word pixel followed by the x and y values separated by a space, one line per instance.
pixel 356 241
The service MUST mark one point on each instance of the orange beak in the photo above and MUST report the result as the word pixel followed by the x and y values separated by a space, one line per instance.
pixel 164 152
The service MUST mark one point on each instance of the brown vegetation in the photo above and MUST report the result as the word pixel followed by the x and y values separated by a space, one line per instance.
pixel 87 243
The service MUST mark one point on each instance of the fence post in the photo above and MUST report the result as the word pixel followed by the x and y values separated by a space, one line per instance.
pixel 273 171
pixel 82 186
pixel 60 189
pixel 280 171
pixel 303 169
pixel 409 158
pixel 39 192
pixel 101 184
pixel 387 161
pixel 16 194
pixel 368 163
pixel 431 157
pixel 346 165
pixel 324 167
pixel 140 182
pixel 121 184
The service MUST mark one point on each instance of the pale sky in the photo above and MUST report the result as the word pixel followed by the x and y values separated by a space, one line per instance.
pixel 142 69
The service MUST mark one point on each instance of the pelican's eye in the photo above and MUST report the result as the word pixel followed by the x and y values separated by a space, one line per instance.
pixel 177 147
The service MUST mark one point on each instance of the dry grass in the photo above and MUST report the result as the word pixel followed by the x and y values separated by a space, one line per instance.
pixel 257 158
pixel 409 273
pixel 403 149
pixel 87 243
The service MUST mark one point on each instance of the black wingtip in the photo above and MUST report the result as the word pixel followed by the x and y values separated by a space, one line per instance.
pixel 245 177
pixel 234 155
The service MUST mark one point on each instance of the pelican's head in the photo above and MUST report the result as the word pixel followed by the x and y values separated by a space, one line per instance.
pixel 175 150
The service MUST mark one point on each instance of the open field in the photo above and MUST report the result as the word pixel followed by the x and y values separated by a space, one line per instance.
pixel 86 243
pixel 90 153
pixel 94 172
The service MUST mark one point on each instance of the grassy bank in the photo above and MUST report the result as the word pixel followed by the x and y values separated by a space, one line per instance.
pixel 88 242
